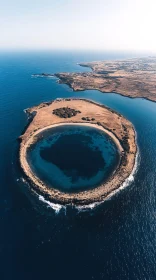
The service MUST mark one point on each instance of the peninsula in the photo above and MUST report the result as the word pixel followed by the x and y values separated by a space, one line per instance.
pixel 131 77
pixel 85 112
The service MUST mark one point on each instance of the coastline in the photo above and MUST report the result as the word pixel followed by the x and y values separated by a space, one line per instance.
pixel 125 184
pixel 133 78
pixel 98 194
pixel 81 208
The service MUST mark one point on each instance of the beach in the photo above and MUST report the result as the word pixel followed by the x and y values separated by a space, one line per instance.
pixel 111 123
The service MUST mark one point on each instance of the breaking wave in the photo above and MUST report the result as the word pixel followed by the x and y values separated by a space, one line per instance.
pixel 127 182
pixel 54 206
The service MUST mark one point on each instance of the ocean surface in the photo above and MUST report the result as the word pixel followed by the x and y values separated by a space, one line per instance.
pixel 73 157
pixel 115 240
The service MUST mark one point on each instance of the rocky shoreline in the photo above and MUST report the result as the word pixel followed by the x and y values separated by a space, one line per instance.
pixel 133 78
pixel 119 129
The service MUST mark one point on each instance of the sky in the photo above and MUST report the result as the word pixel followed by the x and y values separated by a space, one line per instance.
pixel 78 24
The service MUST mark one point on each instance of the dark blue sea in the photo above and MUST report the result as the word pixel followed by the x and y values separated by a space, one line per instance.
pixel 117 239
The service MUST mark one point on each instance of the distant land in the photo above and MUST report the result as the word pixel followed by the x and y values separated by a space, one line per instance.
pixel 132 77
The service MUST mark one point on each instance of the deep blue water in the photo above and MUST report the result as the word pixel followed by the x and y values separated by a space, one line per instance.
pixel 114 241
pixel 73 157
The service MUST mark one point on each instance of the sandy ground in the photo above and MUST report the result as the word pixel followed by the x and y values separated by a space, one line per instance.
pixel 115 125
pixel 132 77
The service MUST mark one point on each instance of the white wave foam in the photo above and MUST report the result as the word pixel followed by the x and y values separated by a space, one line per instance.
pixel 130 179
pixel 127 182
pixel 88 207
pixel 91 206
pixel 55 207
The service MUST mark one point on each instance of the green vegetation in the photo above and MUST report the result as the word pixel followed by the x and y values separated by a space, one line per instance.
pixel 65 112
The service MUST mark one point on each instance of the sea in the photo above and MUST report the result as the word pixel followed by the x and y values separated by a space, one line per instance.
pixel 40 240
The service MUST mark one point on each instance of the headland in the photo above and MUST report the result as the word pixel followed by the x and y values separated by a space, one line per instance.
pixel 88 113
pixel 132 77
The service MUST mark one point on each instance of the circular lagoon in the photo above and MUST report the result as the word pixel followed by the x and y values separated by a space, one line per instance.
pixel 81 159
pixel 73 158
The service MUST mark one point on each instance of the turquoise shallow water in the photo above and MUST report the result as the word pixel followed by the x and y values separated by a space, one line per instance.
pixel 73 157
pixel 116 240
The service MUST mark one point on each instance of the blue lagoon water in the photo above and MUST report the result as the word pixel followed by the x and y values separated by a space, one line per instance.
pixel 116 240
pixel 73 157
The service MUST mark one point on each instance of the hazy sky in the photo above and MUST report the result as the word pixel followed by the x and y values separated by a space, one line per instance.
pixel 78 24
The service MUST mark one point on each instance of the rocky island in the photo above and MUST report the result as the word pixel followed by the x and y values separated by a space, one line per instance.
pixel 131 77
pixel 87 113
